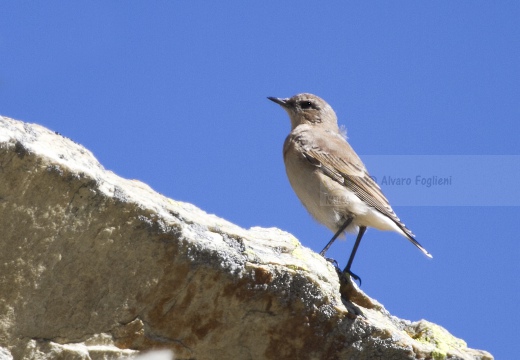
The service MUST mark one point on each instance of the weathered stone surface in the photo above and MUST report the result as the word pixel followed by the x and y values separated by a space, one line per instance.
pixel 95 266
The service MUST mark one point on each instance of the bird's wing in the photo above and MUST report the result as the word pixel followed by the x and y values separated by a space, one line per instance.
pixel 337 159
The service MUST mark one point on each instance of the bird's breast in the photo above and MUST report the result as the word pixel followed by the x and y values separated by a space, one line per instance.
pixel 327 200
pixel 316 191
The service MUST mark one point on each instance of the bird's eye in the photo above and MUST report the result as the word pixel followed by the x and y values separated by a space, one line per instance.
pixel 306 104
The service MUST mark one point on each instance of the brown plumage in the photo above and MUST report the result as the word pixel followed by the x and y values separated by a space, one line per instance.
pixel 329 177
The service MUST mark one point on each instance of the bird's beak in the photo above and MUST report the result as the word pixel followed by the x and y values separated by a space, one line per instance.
pixel 281 102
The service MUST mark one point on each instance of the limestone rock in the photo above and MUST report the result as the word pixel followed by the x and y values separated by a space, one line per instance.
pixel 94 266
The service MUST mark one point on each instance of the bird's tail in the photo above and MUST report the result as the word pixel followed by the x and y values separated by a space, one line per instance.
pixel 411 237
pixel 419 246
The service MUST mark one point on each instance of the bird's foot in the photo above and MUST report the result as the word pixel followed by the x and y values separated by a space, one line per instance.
pixel 334 263
pixel 352 275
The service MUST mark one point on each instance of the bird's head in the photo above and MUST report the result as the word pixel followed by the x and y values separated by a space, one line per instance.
pixel 308 109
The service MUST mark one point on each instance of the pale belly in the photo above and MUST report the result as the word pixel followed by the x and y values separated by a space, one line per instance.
pixel 331 203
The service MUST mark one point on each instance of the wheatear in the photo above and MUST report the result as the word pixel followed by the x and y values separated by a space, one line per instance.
pixel 330 178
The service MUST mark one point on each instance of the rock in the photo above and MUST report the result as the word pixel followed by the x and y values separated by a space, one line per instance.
pixel 94 266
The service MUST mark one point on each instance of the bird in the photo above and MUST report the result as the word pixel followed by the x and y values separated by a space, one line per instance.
pixel 330 179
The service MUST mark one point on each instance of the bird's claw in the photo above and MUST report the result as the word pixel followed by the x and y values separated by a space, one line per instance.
pixel 333 262
pixel 352 275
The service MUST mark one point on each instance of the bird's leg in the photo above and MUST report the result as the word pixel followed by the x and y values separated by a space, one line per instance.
pixel 338 233
pixel 362 230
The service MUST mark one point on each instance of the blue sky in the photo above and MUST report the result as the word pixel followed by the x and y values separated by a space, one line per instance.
pixel 174 94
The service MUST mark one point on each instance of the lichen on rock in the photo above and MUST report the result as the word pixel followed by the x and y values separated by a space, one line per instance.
pixel 97 266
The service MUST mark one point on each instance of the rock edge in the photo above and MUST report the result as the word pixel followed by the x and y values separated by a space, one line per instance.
pixel 96 266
